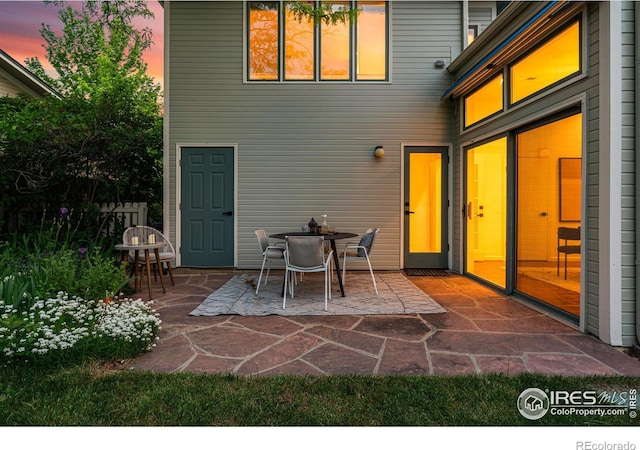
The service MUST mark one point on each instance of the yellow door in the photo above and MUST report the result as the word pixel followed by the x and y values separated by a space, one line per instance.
pixel 426 207
pixel 486 211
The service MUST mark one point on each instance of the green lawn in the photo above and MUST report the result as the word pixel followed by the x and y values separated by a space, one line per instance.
pixel 87 397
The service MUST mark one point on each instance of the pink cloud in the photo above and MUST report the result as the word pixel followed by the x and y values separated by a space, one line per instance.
pixel 21 21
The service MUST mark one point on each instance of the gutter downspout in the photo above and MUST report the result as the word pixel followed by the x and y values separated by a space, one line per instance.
pixel 636 347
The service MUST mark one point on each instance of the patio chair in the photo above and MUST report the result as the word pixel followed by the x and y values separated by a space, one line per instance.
pixel 360 251
pixel 306 254
pixel 269 252
pixel 167 253
pixel 567 234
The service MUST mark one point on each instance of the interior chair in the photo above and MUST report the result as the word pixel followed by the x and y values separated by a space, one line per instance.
pixel 360 251
pixel 306 254
pixel 167 252
pixel 269 252
pixel 567 235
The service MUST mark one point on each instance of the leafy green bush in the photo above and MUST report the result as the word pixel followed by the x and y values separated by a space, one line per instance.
pixel 99 275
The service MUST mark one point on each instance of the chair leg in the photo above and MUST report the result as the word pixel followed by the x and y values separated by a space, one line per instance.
pixel 268 270
pixel 293 282
pixel 288 282
pixel 558 259
pixel 344 268
pixel 284 296
pixel 565 266
pixel 264 260
pixel 140 280
pixel 372 277
pixel 170 273
pixel 326 282
pixel 327 288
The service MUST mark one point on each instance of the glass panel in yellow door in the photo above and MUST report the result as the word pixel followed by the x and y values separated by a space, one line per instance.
pixel 425 222
pixel 487 211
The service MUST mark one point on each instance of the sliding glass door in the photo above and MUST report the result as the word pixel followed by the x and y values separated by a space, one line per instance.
pixel 549 199
pixel 542 185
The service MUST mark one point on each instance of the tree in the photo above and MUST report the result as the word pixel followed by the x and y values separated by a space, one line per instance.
pixel 99 43
pixel 102 141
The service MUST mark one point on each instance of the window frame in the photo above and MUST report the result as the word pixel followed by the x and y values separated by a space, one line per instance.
pixel 317 76
pixel 480 87
pixel 505 69
pixel 282 56
pixel 472 29
pixel 247 44
pixel 565 26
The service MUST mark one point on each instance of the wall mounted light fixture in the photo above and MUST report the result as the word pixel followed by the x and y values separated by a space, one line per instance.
pixel 378 152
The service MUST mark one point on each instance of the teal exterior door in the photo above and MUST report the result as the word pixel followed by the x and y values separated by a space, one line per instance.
pixel 206 206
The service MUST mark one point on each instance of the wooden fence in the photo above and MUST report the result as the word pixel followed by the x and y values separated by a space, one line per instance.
pixel 119 216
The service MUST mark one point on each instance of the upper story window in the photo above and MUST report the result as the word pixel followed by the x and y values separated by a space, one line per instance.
pixel 472 33
pixel 549 63
pixel 282 47
pixel 484 101
pixel 557 59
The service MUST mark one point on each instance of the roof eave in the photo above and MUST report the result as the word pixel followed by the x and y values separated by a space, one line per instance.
pixel 19 72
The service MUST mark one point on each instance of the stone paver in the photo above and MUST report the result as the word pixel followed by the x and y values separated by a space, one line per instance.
pixel 481 332
pixel 403 358
pixel 335 360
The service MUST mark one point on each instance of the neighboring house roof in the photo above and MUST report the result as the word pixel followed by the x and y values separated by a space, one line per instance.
pixel 21 78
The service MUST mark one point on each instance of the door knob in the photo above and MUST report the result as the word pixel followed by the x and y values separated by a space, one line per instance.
pixel 544 214
pixel 227 213
pixel 409 212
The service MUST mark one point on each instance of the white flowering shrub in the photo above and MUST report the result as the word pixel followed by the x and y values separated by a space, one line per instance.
pixel 57 301
pixel 71 328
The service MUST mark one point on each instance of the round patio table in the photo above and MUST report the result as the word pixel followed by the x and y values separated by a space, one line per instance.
pixel 332 238
pixel 146 247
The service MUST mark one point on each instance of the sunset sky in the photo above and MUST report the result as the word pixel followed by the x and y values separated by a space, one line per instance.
pixel 20 23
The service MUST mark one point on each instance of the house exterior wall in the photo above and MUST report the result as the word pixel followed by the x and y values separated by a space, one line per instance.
pixel 628 176
pixel 16 79
pixel 587 93
pixel 591 145
pixel 306 149
pixel 7 88
pixel 481 14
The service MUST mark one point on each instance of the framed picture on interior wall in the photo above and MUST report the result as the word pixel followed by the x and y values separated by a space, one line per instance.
pixel 570 177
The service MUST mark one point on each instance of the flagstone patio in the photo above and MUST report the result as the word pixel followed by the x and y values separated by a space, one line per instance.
pixel 482 331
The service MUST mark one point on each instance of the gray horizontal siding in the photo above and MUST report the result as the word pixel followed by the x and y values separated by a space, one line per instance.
pixel 305 149
pixel 592 225
pixel 9 88
pixel 628 176
pixel 481 13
